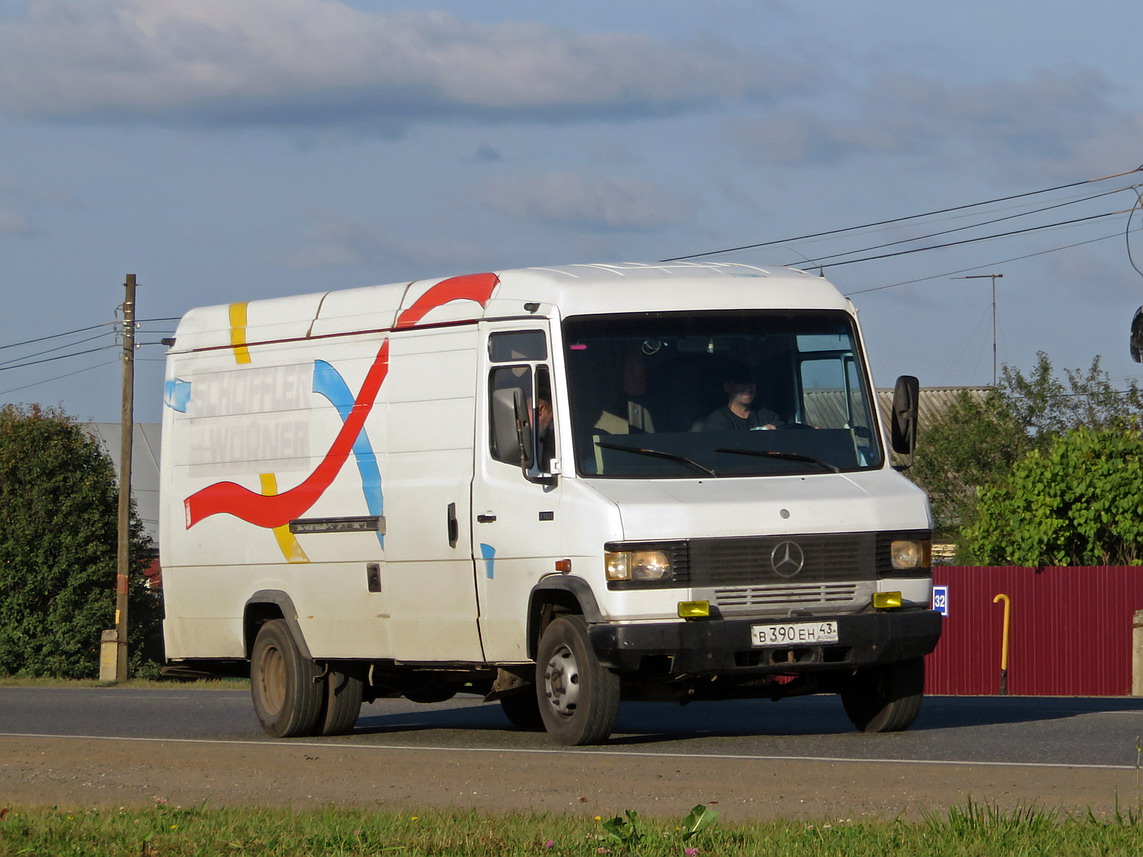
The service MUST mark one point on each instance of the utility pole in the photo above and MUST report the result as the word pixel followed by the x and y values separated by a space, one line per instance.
pixel 994 278
pixel 126 438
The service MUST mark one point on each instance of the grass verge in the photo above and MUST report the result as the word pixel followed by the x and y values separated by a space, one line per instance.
pixel 168 831
pixel 162 684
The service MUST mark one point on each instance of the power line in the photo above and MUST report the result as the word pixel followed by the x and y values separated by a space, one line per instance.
pixel 58 335
pixel 50 336
pixel 57 348
pixel 981 238
pixel 817 260
pixel 57 377
pixel 57 357
pixel 901 219
pixel 948 274
pixel 1127 231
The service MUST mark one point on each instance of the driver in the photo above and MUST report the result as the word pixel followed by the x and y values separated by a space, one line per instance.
pixel 738 413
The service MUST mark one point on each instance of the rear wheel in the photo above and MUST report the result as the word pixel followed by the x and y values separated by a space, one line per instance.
pixel 885 698
pixel 342 702
pixel 523 709
pixel 578 696
pixel 284 684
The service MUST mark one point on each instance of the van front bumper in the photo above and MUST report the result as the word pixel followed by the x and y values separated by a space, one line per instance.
pixel 710 646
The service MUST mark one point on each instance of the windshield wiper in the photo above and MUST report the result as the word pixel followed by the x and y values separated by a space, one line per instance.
pixel 785 456
pixel 657 453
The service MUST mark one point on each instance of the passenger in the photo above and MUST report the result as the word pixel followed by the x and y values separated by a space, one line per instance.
pixel 545 436
pixel 738 413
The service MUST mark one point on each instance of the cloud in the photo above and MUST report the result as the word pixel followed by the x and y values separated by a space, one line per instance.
pixel 486 154
pixel 1048 117
pixel 333 240
pixel 323 62
pixel 590 203
pixel 12 219
pixel 12 222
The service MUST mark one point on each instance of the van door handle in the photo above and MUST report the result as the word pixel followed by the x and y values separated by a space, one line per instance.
pixel 453 526
pixel 485 519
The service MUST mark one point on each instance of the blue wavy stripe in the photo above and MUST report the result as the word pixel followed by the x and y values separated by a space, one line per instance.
pixel 489 554
pixel 329 383
pixel 176 394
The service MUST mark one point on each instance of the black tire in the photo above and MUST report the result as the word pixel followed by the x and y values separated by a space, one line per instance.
pixel 288 698
pixel 523 710
pixel 342 707
pixel 578 697
pixel 885 698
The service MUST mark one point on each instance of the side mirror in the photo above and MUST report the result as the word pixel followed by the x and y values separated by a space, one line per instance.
pixel 903 419
pixel 1137 336
pixel 510 426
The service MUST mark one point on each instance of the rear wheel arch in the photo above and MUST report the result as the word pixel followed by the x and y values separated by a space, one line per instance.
pixel 264 606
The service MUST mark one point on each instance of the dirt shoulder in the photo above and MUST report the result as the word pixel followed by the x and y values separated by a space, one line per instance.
pixel 85 773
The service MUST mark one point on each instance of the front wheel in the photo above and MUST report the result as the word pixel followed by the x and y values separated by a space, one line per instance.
pixel 885 698
pixel 284 684
pixel 578 696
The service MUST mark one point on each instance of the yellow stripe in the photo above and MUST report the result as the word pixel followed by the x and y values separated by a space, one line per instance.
pixel 287 541
pixel 238 333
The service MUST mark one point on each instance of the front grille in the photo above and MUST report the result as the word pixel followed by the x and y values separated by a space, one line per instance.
pixel 783 596
pixel 767 560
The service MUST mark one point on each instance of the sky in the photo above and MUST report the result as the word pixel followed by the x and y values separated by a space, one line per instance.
pixel 231 150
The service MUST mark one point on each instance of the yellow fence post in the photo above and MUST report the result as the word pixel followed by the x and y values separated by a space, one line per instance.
pixel 1004 642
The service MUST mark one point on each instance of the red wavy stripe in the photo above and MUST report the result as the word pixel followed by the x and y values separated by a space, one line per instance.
pixel 276 510
pixel 473 287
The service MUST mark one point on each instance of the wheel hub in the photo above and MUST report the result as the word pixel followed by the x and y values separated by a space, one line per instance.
pixel 272 680
pixel 561 681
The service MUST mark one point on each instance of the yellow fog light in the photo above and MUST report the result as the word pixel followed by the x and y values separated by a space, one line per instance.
pixel 694 609
pixel 886 600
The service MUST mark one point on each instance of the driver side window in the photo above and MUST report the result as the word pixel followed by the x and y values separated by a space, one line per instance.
pixel 508 378
pixel 527 379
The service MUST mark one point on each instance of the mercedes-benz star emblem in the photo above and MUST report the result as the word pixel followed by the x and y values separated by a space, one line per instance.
pixel 787 559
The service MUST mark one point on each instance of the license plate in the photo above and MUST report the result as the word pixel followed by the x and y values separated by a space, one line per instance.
pixel 793 633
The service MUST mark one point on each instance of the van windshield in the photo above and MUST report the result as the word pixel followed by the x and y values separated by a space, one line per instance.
pixel 713 394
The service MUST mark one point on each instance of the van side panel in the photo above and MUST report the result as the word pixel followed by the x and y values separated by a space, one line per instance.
pixel 241 433
pixel 430 412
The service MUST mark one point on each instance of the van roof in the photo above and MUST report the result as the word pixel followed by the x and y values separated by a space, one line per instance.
pixel 553 292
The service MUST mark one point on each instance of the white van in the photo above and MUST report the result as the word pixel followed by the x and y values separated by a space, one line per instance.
pixel 552 487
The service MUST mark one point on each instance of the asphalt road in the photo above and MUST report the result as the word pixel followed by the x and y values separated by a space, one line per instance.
pixel 754 758
pixel 1056 731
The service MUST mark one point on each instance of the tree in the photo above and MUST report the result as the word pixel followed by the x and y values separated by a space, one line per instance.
pixel 1047 406
pixel 967 447
pixel 59 507
pixel 1076 503
pixel 975 443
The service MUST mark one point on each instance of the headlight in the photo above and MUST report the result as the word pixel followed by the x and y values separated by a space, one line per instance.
pixel 909 553
pixel 638 565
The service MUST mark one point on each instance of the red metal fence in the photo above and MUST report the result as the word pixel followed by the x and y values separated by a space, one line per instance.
pixel 1070 631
